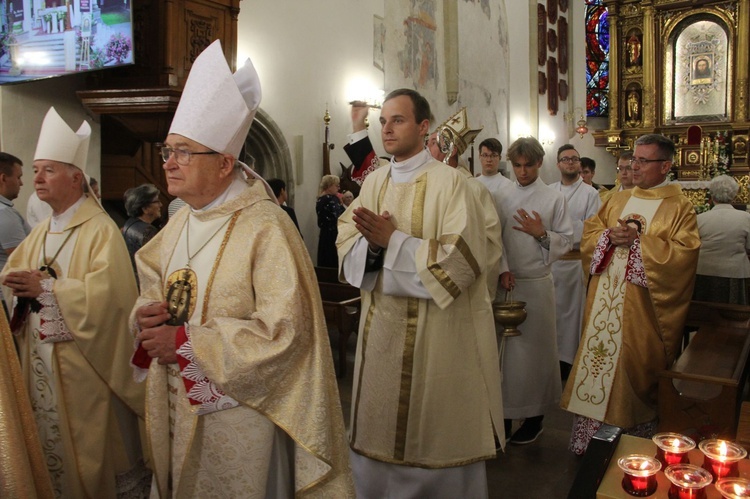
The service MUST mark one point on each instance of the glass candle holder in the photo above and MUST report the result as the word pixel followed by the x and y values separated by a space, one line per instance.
pixel 640 474
pixel 733 488
pixel 688 481
pixel 672 448
pixel 721 457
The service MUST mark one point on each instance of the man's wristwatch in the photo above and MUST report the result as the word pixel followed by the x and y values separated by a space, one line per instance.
pixel 543 239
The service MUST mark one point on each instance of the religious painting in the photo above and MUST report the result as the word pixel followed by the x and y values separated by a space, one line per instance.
pixel 697 79
pixel 563 87
pixel 378 42
pixel 563 5
pixel 552 84
pixel 418 59
pixel 562 42
pixel 633 51
pixel 701 69
pixel 541 33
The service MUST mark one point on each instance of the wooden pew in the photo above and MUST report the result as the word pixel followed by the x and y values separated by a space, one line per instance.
pixel 341 305
pixel 704 386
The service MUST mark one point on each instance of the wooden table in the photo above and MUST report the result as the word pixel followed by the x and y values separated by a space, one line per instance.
pixel 611 486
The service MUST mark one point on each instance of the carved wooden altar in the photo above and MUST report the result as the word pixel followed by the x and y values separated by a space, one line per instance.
pixel 677 64
pixel 136 103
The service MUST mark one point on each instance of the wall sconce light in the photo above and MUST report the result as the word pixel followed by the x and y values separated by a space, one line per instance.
pixel 546 137
pixel 519 129
pixel 362 90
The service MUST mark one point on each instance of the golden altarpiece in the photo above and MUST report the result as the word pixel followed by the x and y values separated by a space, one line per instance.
pixel 680 68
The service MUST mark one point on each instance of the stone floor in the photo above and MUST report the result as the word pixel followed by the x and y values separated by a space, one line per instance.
pixel 542 470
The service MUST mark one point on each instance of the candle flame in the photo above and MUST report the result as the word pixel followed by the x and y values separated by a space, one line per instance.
pixel 739 489
pixel 676 443
pixel 643 465
pixel 723 448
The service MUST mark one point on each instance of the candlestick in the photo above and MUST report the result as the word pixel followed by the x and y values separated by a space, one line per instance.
pixel 672 448
pixel 733 488
pixel 640 474
pixel 688 481
pixel 721 457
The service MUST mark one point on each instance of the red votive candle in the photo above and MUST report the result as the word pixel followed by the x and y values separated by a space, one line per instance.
pixel 672 448
pixel 688 481
pixel 733 488
pixel 640 474
pixel 721 457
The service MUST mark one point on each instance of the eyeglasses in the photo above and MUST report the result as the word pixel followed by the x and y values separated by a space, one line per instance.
pixel 181 156
pixel 623 169
pixel 644 161
pixel 489 156
pixel 570 160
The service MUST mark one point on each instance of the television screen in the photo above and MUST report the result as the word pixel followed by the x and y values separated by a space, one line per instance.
pixel 44 38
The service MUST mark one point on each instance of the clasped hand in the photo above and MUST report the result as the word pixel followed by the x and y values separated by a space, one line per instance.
pixel 157 337
pixel 376 229
pixel 25 283
pixel 623 234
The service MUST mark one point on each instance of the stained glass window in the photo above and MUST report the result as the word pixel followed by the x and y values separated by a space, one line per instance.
pixel 597 58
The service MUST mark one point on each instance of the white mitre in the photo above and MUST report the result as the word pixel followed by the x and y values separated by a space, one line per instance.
pixel 217 107
pixel 58 142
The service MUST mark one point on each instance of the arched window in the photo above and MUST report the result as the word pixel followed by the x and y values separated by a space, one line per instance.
pixel 597 59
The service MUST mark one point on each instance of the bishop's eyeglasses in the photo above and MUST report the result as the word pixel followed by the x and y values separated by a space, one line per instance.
pixel 641 162
pixel 181 156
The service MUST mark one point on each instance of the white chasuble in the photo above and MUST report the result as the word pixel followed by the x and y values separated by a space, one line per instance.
pixel 602 341
pixel 237 456
pixel 256 333
pixel 74 354
pixel 45 399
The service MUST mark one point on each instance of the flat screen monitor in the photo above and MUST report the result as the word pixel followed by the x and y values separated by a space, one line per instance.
pixel 45 38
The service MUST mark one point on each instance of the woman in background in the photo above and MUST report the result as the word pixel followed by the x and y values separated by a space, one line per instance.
pixel 143 206
pixel 723 266
pixel 329 208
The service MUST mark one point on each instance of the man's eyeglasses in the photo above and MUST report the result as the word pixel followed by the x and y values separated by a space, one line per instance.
pixel 181 156
pixel 570 160
pixel 644 161
pixel 489 156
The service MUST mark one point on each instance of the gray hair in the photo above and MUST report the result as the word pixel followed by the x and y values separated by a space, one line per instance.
pixel 326 182
pixel 723 188
pixel 137 198
pixel 663 143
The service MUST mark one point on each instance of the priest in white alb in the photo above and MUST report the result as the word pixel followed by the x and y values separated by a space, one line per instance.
pixel 583 202
pixel 73 295
pixel 536 231
pixel 242 398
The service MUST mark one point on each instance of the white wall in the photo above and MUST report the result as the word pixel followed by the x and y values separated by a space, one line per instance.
pixel 307 54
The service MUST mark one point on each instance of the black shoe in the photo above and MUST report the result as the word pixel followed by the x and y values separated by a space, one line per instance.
pixel 508 424
pixel 565 370
pixel 527 433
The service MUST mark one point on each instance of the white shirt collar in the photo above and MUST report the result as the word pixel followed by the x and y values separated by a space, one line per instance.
pixel 57 223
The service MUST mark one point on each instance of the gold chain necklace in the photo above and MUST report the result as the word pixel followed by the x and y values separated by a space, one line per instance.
pixel 47 267
pixel 187 240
